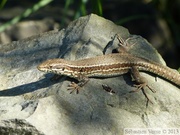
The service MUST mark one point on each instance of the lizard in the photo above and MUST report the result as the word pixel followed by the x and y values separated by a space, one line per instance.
pixel 109 65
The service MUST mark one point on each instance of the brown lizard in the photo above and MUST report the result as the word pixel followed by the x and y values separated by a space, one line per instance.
pixel 108 66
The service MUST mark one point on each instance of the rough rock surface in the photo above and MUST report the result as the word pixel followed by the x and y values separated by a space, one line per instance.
pixel 32 103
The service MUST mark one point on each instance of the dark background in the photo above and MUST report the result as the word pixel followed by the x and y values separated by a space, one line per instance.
pixel 156 20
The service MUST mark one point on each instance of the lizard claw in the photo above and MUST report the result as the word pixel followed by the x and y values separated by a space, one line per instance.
pixel 73 87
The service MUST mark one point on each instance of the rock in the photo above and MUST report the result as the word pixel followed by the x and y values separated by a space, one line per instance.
pixel 32 103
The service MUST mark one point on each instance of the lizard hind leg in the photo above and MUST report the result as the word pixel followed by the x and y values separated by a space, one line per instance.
pixel 124 45
pixel 141 83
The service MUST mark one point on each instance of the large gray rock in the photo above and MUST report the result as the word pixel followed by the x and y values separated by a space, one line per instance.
pixel 32 103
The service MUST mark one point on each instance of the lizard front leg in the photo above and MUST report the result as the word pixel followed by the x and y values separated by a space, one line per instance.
pixel 77 86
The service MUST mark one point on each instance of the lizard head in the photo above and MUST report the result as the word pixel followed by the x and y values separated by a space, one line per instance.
pixel 57 66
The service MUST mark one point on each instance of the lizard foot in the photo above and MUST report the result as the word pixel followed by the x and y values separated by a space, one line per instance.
pixel 74 87
pixel 141 87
